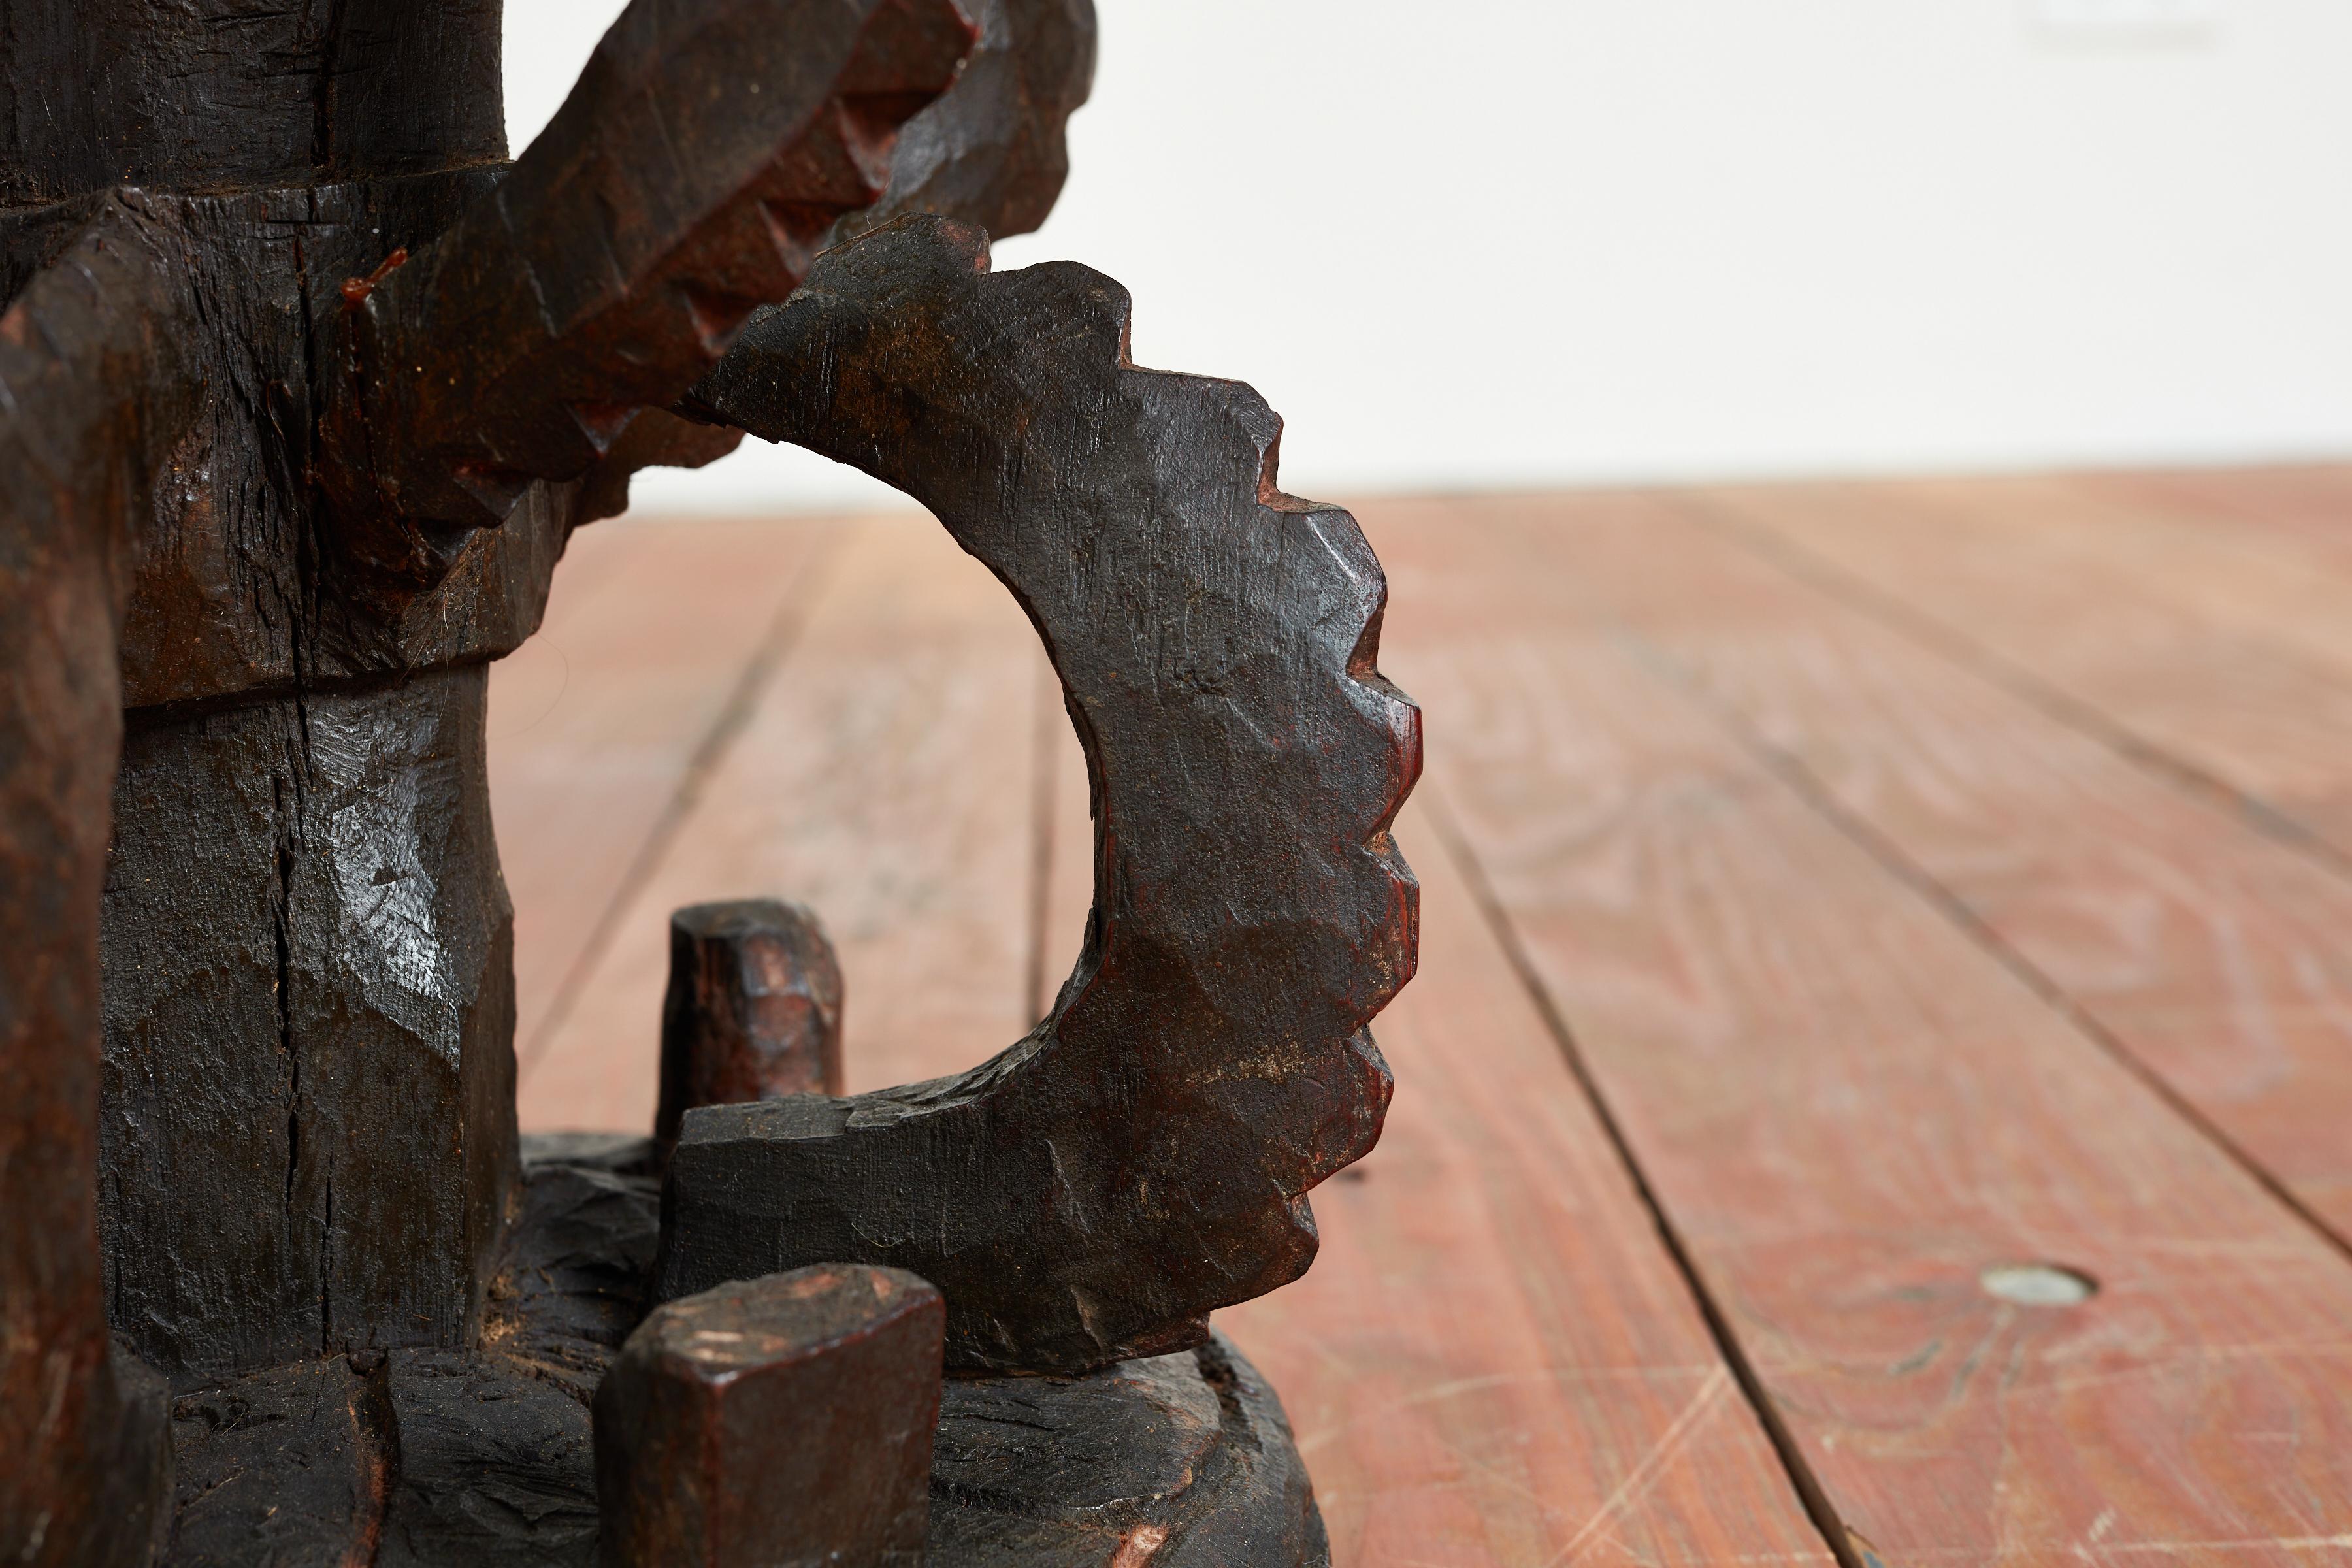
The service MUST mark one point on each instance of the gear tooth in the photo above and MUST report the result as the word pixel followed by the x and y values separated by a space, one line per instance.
pixel 601 423
pixel 1210 1061
pixel 716 318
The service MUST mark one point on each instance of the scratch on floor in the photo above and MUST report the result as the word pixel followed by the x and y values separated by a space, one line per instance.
pixel 1526 1377
pixel 1639 1479
pixel 2257 1543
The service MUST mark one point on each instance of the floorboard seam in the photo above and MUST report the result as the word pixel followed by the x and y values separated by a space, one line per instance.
pixel 1807 1486
pixel 1989 665
pixel 1792 774
pixel 775 646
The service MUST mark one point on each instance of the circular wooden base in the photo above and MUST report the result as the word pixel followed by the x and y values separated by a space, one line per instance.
pixel 1181 1461
pixel 424 1458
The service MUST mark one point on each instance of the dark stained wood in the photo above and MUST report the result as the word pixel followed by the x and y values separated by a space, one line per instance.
pixel 988 151
pixel 786 1419
pixel 1851 1110
pixel 307 1095
pixel 420 370
pixel 214 94
pixel 1178 1461
pixel 94 391
pixel 753 1010
pixel 700 160
pixel 308 1131
pixel 1237 858
pixel 298 1461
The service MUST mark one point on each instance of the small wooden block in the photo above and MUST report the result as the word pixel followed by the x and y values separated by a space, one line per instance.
pixel 784 1419
pixel 753 1010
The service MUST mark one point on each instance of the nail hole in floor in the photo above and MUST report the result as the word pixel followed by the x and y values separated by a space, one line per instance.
pixel 2038 1284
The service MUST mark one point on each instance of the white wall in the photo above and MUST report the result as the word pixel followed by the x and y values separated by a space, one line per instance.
pixel 1512 242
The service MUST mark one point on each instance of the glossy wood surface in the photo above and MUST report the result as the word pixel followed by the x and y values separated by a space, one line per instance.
pixel 1925 878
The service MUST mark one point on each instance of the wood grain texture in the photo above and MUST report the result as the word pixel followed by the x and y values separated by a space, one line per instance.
pixel 990 151
pixel 884 780
pixel 596 723
pixel 1850 1109
pixel 2173 624
pixel 209 94
pixel 2311 501
pixel 2208 952
pixel 1494 1360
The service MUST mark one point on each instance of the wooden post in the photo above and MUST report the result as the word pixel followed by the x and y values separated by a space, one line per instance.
pixel 753 1010
pixel 786 1419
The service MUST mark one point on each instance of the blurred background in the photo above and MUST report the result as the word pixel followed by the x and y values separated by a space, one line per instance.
pixel 1513 243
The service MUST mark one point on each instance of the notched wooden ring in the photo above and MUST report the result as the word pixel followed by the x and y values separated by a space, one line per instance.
pixel 1141 1157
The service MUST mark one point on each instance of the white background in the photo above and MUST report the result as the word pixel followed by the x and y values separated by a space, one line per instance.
pixel 1503 242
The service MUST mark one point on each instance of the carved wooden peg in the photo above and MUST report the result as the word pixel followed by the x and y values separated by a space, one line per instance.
pixel 753 1010
pixel 786 1419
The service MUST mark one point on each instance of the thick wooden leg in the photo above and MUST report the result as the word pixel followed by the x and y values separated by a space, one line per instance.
pixel 310 1064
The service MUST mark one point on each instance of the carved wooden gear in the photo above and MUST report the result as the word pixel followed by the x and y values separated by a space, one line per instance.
pixel 617 259
pixel 1141 1157
pixel 991 150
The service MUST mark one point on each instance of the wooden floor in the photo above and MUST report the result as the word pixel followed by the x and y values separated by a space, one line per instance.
pixel 1856 918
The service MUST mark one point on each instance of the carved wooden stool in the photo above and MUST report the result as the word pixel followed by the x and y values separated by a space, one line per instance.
pixel 302 388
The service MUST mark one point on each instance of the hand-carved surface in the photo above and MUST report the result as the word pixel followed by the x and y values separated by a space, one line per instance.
pixel 193 95
pixel 296 1464
pixel 989 153
pixel 308 1125
pixel 685 181
pixel 93 392
pixel 430 1457
pixel 1181 1461
pixel 355 380
pixel 780 1420
pixel 1142 1158
pixel 482 1459
pixel 309 1108
pixel 753 1010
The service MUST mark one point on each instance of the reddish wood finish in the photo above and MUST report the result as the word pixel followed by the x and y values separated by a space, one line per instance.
pixel 1492 1360
pixel 2207 950
pixel 1850 1109
pixel 884 779
pixel 597 723
pixel 1847 1105
pixel 2176 626
pixel 753 1010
